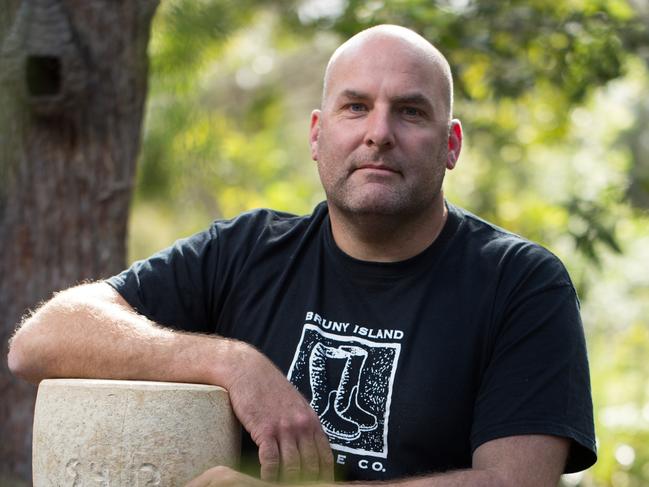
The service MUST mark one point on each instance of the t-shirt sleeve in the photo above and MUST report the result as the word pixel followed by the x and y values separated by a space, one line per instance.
pixel 537 380
pixel 174 286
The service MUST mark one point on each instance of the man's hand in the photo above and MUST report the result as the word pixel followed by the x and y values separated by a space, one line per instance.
pixel 292 445
pixel 224 477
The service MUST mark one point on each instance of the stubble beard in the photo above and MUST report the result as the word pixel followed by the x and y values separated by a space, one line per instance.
pixel 388 206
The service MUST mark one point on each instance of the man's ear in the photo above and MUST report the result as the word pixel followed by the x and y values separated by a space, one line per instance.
pixel 314 133
pixel 454 143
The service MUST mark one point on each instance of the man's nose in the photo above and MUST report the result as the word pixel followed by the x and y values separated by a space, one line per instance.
pixel 380 132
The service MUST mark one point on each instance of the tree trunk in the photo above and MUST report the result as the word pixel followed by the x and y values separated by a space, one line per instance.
pixel 73 78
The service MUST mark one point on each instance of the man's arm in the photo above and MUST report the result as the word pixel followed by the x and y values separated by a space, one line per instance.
pixel 515 461
pixel 90 331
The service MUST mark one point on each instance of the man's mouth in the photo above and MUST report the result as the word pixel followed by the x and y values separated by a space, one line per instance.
pixel 377 168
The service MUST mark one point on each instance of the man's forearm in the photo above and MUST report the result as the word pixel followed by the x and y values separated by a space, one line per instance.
pixel 91 332
pixel 459 478
pixel 514 461
pixel 86 332
pixel 223 476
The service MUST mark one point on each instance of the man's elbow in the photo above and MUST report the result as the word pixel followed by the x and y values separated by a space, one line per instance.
pixel 41 341
pixel 21 359
pixel 30 348
pixel 19 366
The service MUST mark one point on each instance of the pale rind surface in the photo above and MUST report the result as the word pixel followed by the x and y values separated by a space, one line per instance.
pixel 130 433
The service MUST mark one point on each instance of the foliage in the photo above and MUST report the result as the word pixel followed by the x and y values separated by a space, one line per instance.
pixel 219 134
pixel 551 95
pixel 522 65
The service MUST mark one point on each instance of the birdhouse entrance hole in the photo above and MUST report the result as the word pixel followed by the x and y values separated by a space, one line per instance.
pixel 43 75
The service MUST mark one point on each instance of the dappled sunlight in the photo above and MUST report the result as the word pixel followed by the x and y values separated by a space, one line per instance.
pixel 547 153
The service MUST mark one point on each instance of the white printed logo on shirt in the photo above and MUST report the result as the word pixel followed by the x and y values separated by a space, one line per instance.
pixel 348 381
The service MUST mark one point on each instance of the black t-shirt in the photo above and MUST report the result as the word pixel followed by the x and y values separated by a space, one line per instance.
pixel 410 365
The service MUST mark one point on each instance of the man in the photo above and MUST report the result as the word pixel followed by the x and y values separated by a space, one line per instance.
pixel 426 344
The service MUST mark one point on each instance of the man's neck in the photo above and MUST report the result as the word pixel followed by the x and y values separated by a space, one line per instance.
pixel 377 238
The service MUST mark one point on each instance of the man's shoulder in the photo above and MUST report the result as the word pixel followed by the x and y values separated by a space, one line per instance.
pixel 485 233
pixel 506 249
pixel 481 228
pixel 265 223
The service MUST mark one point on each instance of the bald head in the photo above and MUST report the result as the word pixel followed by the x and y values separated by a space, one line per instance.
pixel 376 39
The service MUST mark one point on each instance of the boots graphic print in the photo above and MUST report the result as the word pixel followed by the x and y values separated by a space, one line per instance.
pixel 347 398
pixel 334 375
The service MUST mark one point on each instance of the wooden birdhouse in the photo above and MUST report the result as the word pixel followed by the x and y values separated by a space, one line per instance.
pixel 42 61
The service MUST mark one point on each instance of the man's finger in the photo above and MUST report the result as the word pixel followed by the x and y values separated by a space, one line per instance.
pixel 224 477
pixel 325 456
pixel 269 460
pixel 212 477
pixel 309 461
pixel 290 460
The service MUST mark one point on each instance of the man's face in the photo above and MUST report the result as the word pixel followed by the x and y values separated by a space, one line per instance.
pixel 381 140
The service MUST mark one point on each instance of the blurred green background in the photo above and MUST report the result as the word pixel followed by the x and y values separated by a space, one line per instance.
pixel 553 99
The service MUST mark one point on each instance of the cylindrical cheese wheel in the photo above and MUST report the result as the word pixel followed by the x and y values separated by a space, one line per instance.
pixel 130 433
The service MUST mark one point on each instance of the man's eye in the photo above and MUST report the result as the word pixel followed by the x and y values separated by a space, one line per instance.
pixel 356 107
pixel 411 112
